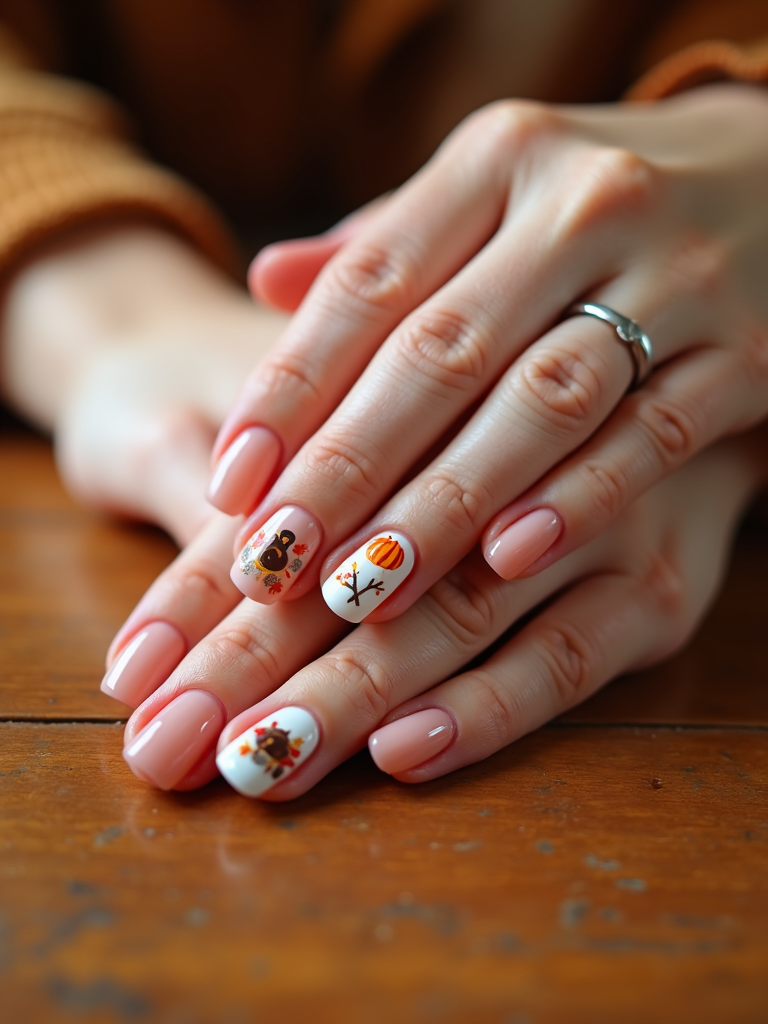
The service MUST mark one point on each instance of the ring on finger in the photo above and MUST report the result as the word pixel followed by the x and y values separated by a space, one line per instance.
pixel 628 331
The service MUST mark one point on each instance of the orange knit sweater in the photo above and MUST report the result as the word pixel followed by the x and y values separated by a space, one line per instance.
pixel 244 98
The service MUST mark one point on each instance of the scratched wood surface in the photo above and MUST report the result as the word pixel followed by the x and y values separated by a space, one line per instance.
pixel 612 867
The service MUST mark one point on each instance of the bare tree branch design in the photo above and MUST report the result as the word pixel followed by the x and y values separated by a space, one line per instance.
pixel 357 594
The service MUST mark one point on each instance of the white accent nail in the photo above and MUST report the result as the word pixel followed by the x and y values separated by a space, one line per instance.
pixel 269 751
pixel 369 576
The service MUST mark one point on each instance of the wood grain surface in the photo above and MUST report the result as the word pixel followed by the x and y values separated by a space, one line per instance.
pixel 612 867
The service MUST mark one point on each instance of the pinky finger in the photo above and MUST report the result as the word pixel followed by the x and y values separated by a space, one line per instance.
pixel 598 629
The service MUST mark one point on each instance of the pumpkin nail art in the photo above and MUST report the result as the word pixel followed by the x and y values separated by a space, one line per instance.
pixel 275 554
pixel 369 576
pixel 269 751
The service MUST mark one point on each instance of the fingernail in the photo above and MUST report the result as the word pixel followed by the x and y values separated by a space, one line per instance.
pixel 145 663
pixel 273 557
pixel 522 543
pixel 176 739
pixel 269 751
pixel 369 576
pixel 244 471
pixel 412 740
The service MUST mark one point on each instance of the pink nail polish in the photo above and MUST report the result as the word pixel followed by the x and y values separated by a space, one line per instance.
pixel 412 740
pixel 244 471
pixel 523 542
pixel 176 739
pixel 275 554
pixel 144 664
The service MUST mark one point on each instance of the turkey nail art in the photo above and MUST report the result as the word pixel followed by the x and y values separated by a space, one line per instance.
pixel 369 576
pixel 275 554
pixel 269 751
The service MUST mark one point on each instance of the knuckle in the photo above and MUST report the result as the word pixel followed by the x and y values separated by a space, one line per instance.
pixel 498 717
pixel 607 182
pixel 447 348
pixel 342 464
pixel 373 278
pixel 288 374
pixel 609 488
pixel 662 581
pixel 463 610
pixel 365 687
pixel 511 126
pixel 672 432
pixel 454 506
pixel 569 660
pixel 249 647
pixel 561 389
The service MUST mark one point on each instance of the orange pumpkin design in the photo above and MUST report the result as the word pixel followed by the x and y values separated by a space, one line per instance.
pixel 385 552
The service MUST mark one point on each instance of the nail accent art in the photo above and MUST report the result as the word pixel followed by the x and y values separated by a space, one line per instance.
pixel 371 574
pixel 269 751
pixel 273 557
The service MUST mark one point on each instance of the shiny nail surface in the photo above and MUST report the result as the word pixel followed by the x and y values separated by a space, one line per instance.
pixel 144 663
pixel 176 739
pixel 275 554
pixel 244 470
pixel 412 740
pixel 369 576
pixel 523 542
pixel 269 751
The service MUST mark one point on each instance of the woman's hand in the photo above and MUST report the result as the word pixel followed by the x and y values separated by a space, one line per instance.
pixel 130 347
pixel 627 599
pixel 441 317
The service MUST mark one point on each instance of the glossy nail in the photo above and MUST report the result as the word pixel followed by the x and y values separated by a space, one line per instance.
pixel 369 576
pixel 412 740
pixel 144 664
pixel 275 554
pixel 523 542
pixel 269 751
pixel 244 470
pixel 176 739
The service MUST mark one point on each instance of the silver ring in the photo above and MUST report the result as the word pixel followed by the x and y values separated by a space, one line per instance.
pixel 628 331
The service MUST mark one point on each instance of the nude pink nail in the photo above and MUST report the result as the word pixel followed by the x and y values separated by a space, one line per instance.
pixel 244 471
pixel 523 542
pixel 144 664
pixel 169 746
pixel 412 740
pixel 275 554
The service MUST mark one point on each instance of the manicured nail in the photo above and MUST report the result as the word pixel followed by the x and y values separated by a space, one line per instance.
pixel 269 751
pixel 412 740
pixel 274 556
pixel 369 576
pixel 176 739
pixel 145 663
pixel 522 543
pixel 244 471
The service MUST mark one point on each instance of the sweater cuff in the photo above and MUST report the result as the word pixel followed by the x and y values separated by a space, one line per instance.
pixel 701 64
pixel 66 161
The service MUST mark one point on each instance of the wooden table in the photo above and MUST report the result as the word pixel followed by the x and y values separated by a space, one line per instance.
pixel 612 867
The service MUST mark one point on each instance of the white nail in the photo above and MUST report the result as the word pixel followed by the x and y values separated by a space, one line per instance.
pixel 269 751
pixel 369 576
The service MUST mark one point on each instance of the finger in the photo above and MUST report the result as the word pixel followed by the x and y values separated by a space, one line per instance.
pixel 282 273
pixel 429 373
pixel 659 583
pixel 420 238
pixel 186 601
pixel 333 704
pixel 170 739
pixel 683 408
pixel 136 461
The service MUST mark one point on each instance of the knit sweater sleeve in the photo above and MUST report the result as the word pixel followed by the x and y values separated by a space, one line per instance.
pixel 66 159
